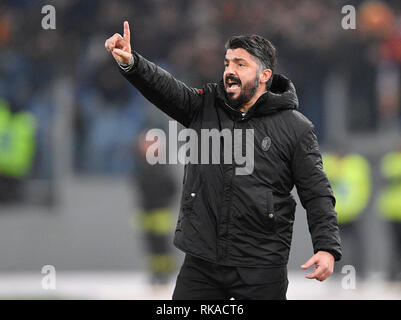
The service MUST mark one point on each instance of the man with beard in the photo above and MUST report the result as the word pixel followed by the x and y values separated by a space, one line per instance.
pixel 236 229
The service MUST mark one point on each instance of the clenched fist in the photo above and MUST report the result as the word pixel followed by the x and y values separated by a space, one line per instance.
pixel 120 46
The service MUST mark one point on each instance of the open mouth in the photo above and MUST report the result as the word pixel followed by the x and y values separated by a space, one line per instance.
pixel 232 84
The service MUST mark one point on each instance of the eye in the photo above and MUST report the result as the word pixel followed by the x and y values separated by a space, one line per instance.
pixel 241 65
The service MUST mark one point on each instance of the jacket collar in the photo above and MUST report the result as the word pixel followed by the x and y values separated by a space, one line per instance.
pixel 280 96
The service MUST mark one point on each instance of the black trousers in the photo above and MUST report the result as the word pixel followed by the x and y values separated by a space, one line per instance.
pixel 203 280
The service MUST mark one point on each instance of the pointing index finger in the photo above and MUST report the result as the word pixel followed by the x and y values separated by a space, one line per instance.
pixel 127 34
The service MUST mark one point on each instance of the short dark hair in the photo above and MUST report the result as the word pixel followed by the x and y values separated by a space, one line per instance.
pixel 259 47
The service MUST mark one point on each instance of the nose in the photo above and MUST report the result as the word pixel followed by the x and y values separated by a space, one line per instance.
pixel 229 73
pixel 229 70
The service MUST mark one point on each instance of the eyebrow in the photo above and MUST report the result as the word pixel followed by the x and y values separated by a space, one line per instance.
pixel 235 59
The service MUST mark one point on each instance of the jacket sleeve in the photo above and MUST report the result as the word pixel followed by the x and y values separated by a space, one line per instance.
pixel 167 93
pixel 316 195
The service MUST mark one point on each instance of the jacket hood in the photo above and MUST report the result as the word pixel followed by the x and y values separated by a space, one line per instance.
pixel 280 96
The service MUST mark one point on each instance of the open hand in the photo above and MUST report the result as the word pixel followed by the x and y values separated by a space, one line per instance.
pixel 324 266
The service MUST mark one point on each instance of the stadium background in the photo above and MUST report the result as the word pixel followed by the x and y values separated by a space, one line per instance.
pixel 74 205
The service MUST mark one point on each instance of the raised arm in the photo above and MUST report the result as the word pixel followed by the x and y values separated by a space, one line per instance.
pixel 157 85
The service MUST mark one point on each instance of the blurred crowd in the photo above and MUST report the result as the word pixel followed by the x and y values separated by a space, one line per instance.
pixel 186 38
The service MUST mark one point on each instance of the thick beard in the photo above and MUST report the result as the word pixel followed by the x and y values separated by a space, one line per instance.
pixel 247 92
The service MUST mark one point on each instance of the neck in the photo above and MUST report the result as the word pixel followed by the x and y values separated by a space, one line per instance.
pixel 245 107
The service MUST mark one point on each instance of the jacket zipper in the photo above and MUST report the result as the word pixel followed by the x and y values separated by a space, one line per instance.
pixel 225 252
pixel 243 114
pixel 231 188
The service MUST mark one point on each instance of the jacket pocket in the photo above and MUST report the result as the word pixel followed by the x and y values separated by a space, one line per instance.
pixel 188 202
pixel 270 215
pixel 191 192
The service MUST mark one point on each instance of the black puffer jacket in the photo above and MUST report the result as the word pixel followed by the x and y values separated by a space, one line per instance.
pixel 246 220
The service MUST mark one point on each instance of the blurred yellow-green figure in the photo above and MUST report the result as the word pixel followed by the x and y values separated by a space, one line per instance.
pixel 389 207
pixel 389 204
pixel 17 142
pixel 350 178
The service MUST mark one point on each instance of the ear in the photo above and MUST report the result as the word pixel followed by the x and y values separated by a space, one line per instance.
pixel 265 75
